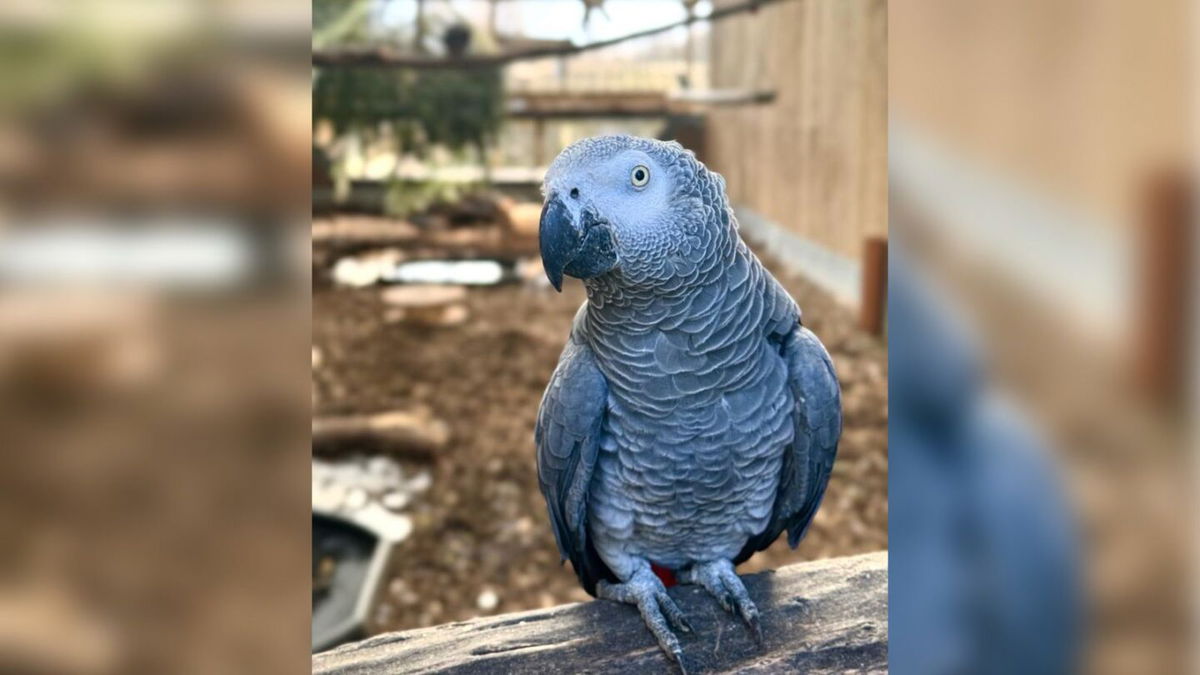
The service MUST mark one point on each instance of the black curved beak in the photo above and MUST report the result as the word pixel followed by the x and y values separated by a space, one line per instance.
pixel 583 249
pixel 559 239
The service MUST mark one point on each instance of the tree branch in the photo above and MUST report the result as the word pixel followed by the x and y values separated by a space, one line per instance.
pixel 382 57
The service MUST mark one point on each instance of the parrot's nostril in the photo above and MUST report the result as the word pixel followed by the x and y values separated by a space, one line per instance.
pixel 574 193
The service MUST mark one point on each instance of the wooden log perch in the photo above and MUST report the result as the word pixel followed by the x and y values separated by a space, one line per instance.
pixel 825 616
pixel 345 236
pixel 410 434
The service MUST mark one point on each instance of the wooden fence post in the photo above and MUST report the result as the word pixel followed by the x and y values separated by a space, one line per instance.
pixel 1163 311
pixel 873 308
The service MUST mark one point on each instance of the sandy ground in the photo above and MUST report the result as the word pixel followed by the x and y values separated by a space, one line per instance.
pixel 482 542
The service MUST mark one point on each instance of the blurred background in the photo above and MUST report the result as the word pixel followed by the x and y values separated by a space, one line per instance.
pixel 1042 190
pixel 434 328
pixel 153 319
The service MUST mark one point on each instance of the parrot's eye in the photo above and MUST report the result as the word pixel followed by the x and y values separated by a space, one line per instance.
pixel 639 176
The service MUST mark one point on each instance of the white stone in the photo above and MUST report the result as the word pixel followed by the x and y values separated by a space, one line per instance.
pixel 357 499
pixel 420 482
pixel 395 500
pixel 488 600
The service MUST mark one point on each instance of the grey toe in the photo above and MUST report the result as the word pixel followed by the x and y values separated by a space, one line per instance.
pixel 658 610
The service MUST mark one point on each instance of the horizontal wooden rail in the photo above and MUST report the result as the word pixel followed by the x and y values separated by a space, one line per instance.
pixel 823 616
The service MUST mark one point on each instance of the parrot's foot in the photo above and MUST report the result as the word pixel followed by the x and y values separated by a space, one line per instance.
pixel 719 579
pixel 658 610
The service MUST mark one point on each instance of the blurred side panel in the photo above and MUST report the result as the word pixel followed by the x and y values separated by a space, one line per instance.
pixel 154 172
pixel 1043 189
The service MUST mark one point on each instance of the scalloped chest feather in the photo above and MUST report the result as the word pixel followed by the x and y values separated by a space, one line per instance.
pixel 699 415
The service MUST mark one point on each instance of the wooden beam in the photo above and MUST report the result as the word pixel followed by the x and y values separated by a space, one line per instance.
pixel 563 105
pixel 569 104
pixel 823 616
pixel 724 96
pixel 383 57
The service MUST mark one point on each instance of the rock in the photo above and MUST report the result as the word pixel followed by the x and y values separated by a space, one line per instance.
pixel 420 482
pixel 356 499
pixel 385 468
pixel 365 269
pixel 447 272
pixel 487 600
pixel 329 496
pixel 394 500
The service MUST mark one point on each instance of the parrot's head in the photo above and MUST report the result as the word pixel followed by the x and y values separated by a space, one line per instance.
pixel 639 208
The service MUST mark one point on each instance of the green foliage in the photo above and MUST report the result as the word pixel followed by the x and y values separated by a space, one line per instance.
pixel 403 199
pixel 451 108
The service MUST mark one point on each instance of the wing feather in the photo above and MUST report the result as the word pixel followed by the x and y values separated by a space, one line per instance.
pixel 570 421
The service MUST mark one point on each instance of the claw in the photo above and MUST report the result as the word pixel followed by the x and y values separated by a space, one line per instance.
pixel 677 657
pixel 673 613
pixel 719 579
pixel 658 610
pixel 747 610
pixel 755 628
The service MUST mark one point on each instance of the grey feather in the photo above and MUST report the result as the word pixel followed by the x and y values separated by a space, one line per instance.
pixel 808 461
pixel 568 440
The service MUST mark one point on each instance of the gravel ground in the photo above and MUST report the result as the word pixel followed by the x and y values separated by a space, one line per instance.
pixel 481 542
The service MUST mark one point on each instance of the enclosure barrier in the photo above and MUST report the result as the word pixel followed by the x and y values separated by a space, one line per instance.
pixel 823 616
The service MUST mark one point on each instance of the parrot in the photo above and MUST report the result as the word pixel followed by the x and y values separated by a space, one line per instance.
pixel 691 418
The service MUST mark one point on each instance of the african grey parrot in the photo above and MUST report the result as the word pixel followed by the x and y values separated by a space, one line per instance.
pixel 691 418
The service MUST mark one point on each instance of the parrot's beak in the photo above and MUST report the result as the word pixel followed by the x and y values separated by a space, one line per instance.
pixel 581 247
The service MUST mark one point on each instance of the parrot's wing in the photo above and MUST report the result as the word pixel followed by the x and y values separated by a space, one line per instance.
pixel 808 461
pixel 567 436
